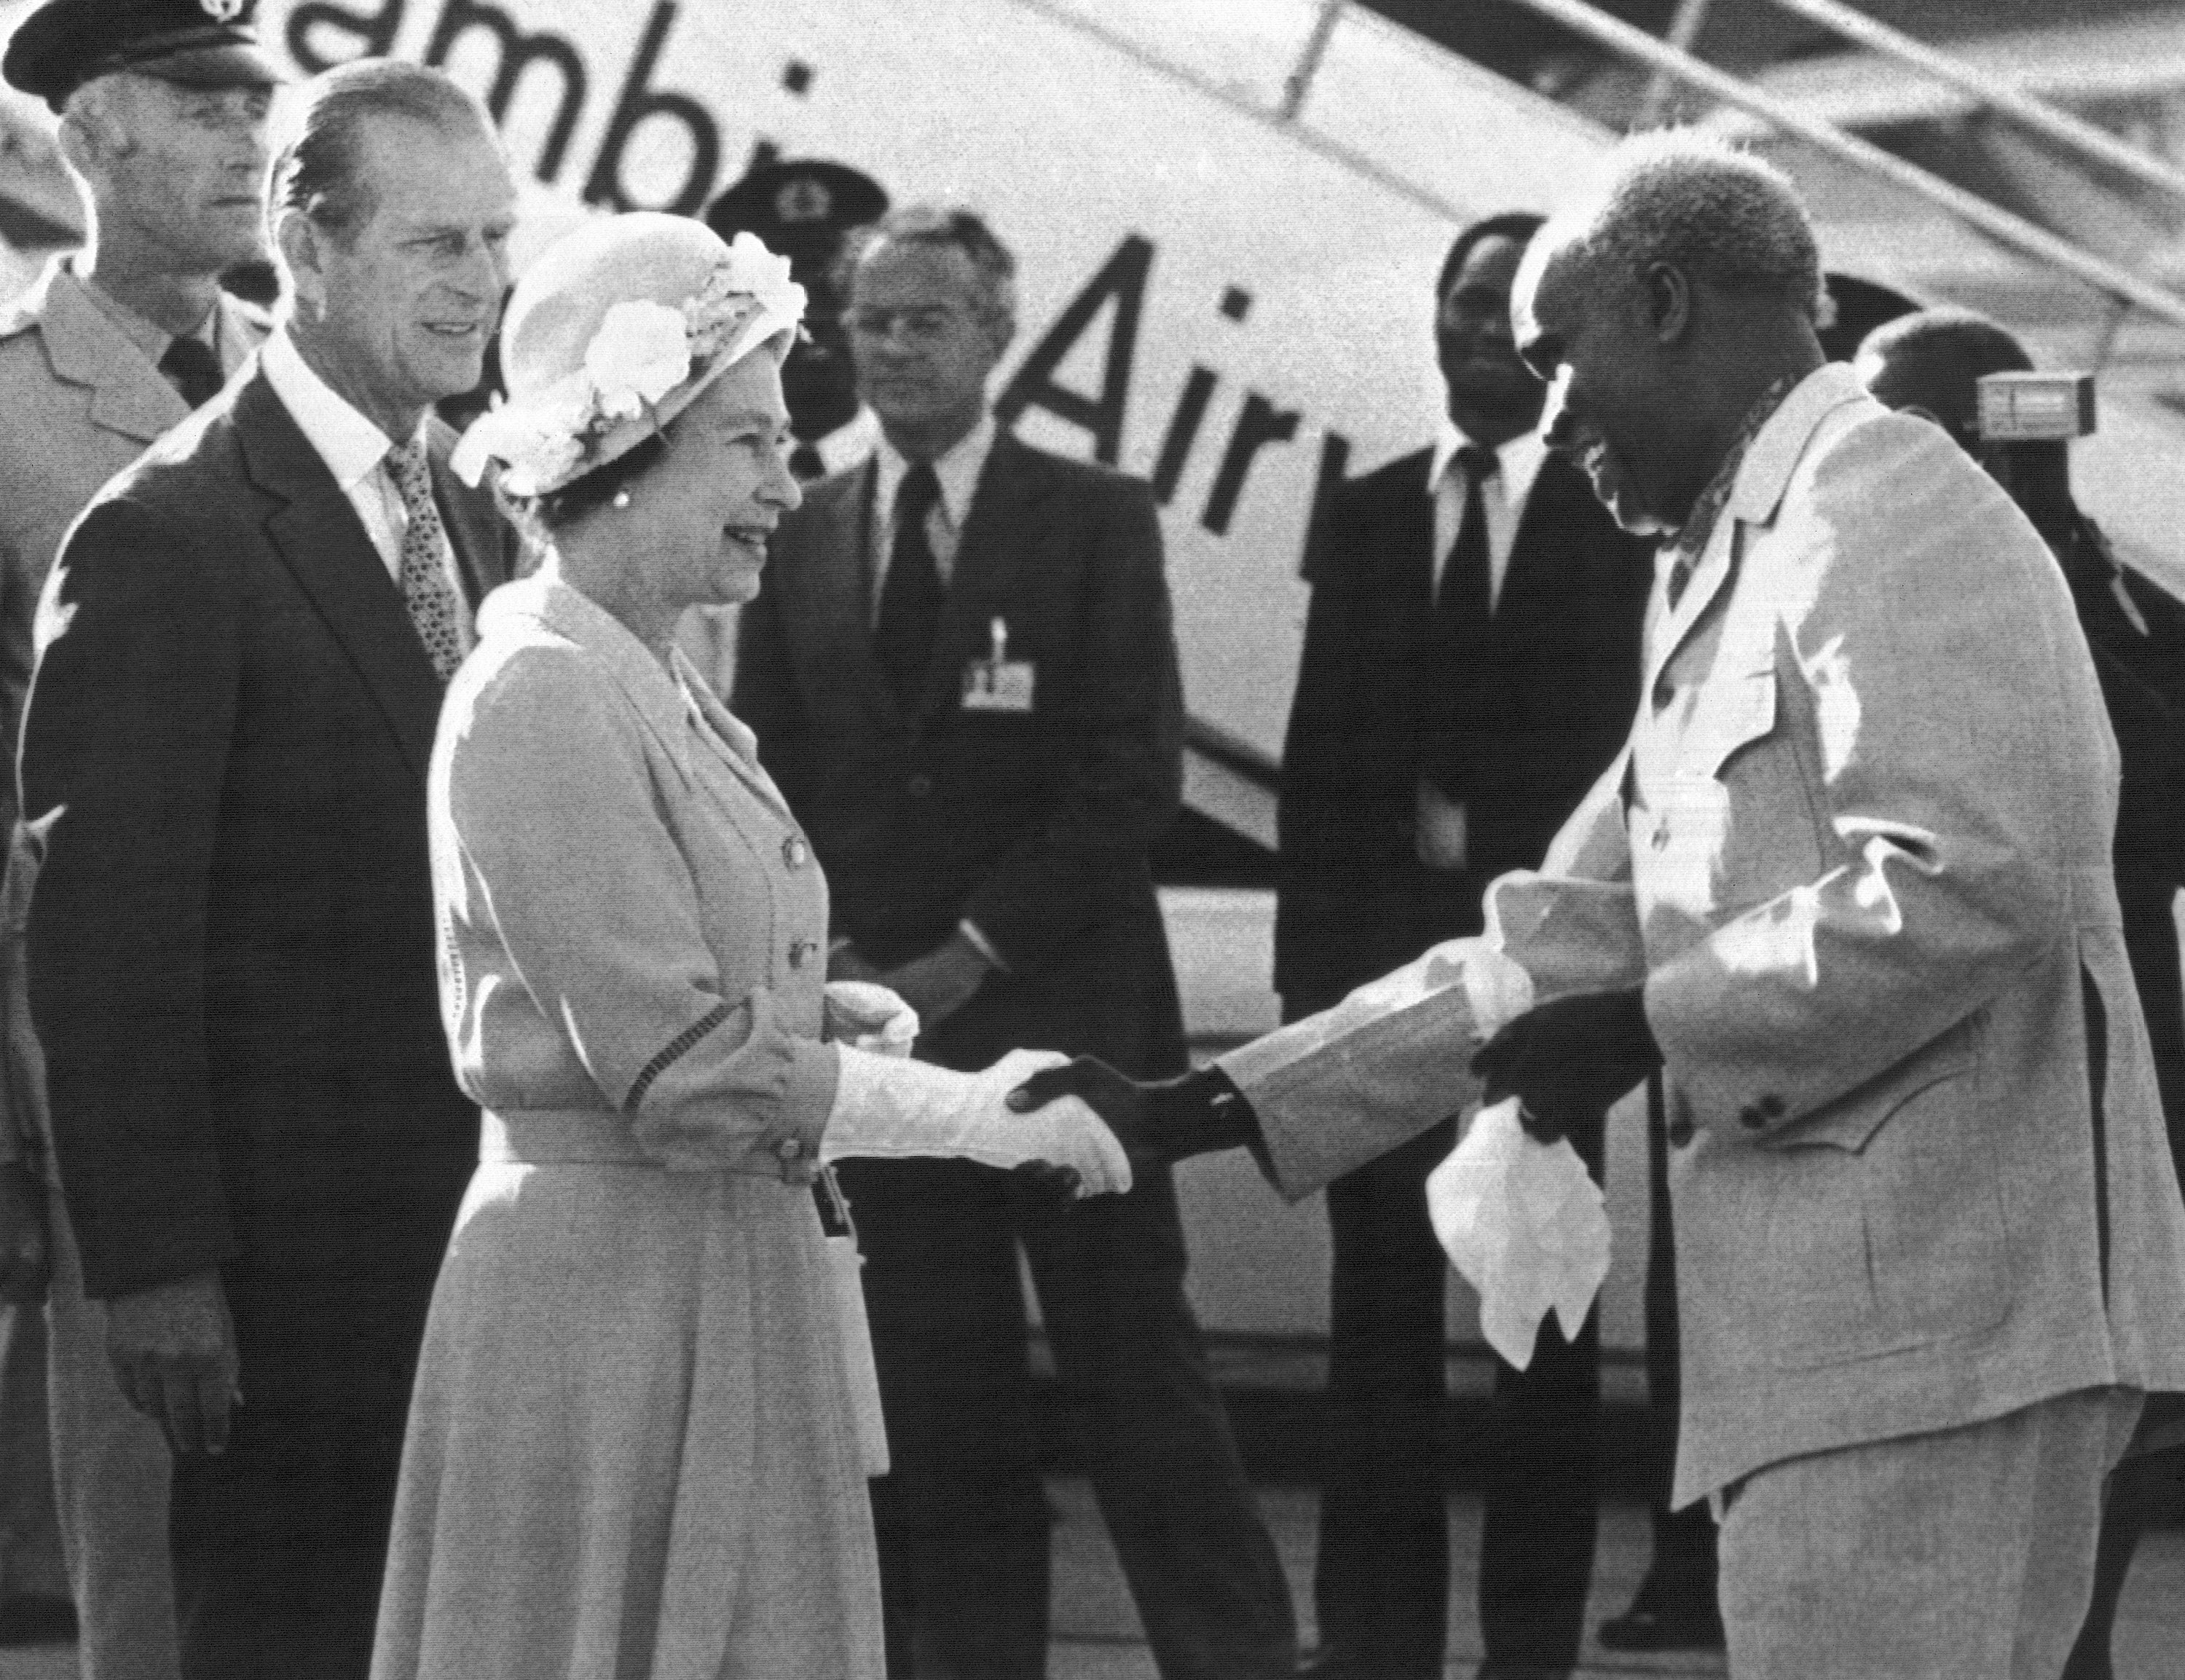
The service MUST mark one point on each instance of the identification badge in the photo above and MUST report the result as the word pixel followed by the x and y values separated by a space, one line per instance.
pixel 998 682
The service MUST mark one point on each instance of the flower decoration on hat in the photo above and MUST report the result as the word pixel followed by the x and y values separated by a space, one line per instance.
pixel 645 361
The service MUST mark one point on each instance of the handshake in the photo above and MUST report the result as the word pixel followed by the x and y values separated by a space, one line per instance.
pixel 1564 1061
pixel 1080 1128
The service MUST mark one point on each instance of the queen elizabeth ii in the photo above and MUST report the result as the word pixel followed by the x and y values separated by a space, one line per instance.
pixel 634 1447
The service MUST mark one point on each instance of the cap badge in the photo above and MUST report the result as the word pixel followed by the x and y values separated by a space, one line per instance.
pixel 222 11
pixel 803 199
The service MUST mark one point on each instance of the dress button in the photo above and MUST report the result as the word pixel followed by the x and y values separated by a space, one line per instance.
pixel 794 853
pixel 920 786
pixel 801 951
pixel 1680 1131
pixel 1661 840
pixel 1751 1118
pixel 1664 693
pixel 789 1148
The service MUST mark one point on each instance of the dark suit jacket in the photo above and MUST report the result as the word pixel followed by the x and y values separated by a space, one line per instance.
pixel 231 939
pixel 1033 826
pixel 2141 663
pixel 1353 902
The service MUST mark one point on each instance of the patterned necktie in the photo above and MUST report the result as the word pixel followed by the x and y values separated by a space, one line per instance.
pixel 434 607
pixel 192 368
pixel 911 596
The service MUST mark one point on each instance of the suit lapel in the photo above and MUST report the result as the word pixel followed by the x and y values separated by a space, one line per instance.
pixel 319 537
pixel 127 394
pixel 995 530
pixel 827 594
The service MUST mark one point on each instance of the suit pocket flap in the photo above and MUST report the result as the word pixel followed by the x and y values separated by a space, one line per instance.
pixel 1734 710
pixel 1851 1123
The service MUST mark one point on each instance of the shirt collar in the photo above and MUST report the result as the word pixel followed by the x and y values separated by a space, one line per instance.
pixel 1690 539
pixel 1781 437
pixel 957 470
pixel 1518 461
pixel 350 445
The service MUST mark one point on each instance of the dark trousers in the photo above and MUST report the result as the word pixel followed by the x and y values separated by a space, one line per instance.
pixel 1381 1584
pixel 962 1519
pixel 279 1543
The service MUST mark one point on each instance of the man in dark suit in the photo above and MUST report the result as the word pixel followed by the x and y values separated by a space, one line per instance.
pixel 962 673
pixel 1470 665
pixel 230 943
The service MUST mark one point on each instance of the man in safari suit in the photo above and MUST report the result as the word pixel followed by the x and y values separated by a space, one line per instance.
pixel 1849 885
pixel 162 113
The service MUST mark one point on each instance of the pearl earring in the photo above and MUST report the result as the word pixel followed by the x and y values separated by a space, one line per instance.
pixel 622 497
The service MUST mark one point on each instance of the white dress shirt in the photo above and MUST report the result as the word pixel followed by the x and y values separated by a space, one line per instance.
pixel 1518 467
pixel 355 452
pixel 957 472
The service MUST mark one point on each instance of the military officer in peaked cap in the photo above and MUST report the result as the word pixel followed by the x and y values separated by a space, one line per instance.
pixel 187 43
pixel 162 107
pixel 807 208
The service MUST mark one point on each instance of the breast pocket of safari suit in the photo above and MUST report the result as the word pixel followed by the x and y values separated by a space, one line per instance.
pixel 1882 1218
pixel 1733 825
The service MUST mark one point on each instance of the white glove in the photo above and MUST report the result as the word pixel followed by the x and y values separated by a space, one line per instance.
pixel 884 1107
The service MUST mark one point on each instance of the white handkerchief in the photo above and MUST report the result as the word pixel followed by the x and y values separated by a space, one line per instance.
pixel 869 1016
pixel 1523 1225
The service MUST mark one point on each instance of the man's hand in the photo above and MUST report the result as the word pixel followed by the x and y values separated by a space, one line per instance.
pixel 1438 828
pixel 25 1260
pixel 1158 1123
pixel 172 1347
pixel 1566 1062
pixel 940 983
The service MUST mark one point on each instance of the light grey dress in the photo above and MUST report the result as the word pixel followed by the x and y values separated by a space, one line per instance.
pixel 631 1451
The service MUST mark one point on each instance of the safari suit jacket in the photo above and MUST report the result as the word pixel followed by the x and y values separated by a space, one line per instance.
pixel 1857 854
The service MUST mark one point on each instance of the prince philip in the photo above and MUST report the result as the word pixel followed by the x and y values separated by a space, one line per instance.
pixel 242 649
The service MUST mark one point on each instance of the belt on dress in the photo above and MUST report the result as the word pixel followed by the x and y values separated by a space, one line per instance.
pixel 587 1136
pixel 545 1136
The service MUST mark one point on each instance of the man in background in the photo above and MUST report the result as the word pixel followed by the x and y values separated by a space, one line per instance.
pixel 1470 665
pixel 807 209
pixel 962 673
pixel 163 115
pixel 243 647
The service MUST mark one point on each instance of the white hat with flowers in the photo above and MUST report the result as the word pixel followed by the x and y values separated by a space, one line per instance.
pixel 614 331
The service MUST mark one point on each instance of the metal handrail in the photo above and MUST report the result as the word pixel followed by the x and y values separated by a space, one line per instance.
pixel 2075 133
pixel 2015 232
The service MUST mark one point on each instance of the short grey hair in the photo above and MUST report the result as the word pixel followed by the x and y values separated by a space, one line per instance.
pixel 1695 202
pixel 318 164
pixel 947 227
